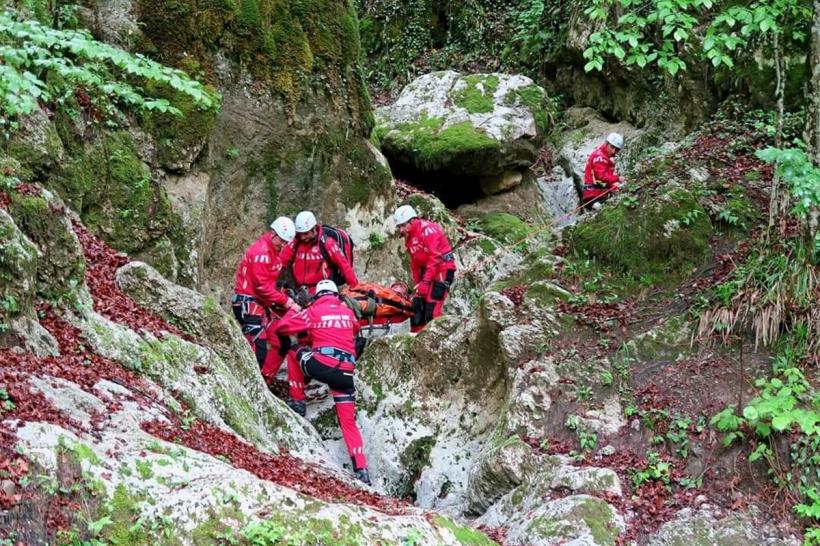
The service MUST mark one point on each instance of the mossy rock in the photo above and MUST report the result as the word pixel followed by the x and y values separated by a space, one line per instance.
pixel 546 294
pixel 504 227
pixel 536 99
pixel 429 146
pixel 179 138
pixel 280 42
pixel 115 195
pixel 415 458
pixel 18 269
pixel 536 266
pixel 661 239
pixel 62 267
pixel 464 535
pixel 580 515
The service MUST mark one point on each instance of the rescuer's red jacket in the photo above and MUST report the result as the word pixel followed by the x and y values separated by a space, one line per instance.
pixel 258 272
pixel 431 255
pixel 601 169
pixel 328 321
pixel 310 265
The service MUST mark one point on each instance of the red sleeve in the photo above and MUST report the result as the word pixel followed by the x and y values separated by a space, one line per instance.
pixel 436 245
pixel 293 323
pixel 264 275
pixel 340 260
pixel 287 254
pixel 415 266
pixel 415 271
pixel 604 170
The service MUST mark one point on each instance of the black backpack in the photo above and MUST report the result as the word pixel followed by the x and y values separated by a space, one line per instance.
pixel 345 243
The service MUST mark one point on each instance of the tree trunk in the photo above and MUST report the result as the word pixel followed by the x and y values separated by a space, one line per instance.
pixel 813 118
pixel 776 204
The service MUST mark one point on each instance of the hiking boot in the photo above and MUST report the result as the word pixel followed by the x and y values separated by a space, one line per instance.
pixel 298 406
pixel 362 475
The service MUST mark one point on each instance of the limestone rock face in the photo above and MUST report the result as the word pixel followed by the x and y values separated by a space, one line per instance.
pixel 708 526
pixel 198 315
pixel 195 495
pixel 580 520
pixel 497 472
pixel 219 377
pixel 480 124
pixel 427 403
pixel 560 196
pixel 19 264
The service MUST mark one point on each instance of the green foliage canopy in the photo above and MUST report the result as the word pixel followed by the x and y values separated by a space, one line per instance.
pixel 667 32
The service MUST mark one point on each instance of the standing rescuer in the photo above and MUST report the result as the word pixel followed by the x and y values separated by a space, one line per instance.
pixel 330 358
pixel 256 297
pixel 314 256
pixel 600 179
pixel 432 263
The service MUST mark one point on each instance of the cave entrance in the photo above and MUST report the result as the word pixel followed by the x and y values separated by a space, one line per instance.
pixel 453 190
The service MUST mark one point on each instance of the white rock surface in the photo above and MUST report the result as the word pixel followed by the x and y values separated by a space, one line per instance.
pixel 435 96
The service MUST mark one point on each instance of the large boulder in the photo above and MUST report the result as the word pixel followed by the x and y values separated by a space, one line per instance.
pixel 533 520
pixel 483 125
pixel 500 469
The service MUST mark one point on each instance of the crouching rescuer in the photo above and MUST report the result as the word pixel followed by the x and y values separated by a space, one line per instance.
pixel 257 300
pixel 330 358
pixel 432 263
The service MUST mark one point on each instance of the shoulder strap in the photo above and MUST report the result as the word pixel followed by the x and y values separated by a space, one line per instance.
pixel 323 247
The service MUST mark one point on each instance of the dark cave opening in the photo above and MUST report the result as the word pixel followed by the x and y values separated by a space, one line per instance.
pixel 452 189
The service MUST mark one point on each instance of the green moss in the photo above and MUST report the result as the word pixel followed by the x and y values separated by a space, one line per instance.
pixel 62 267
pixel 220 523
pixel 124 511
pixel 415 458
pixel 477 95
pixel 593 514
pixel 175 135
pixel 281 42
pixel 18 267
pixel 535 267
pixel 114 193
pixel 464 535
pixel 35 161
pixel 517 497
pixel 504 227
pixel 430 147
pixel 598 517
pixel 326 423
pixel 487 246
pixel 663 238
pixel 738 212
pixel 545 294
pixel 534 98
pixel 237 413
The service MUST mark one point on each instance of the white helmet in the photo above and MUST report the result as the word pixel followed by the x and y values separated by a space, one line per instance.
pixel 305 221
pixel 284 228
pixel 616 140
pixel 404 214
pixel 326 286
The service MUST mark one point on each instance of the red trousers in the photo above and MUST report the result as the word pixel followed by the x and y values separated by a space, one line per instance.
pixel 303 366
